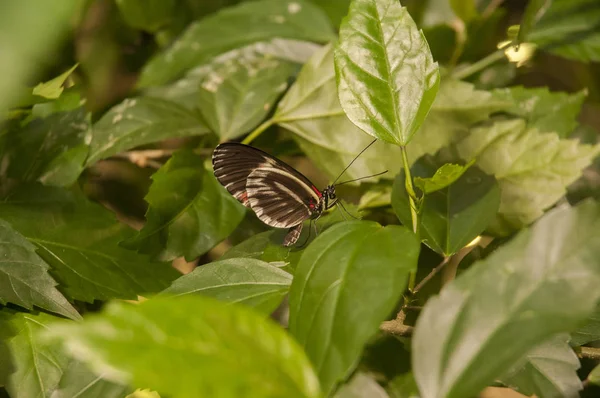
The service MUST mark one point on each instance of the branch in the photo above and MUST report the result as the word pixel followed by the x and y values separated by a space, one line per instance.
pixel 588 352
pixel 396 328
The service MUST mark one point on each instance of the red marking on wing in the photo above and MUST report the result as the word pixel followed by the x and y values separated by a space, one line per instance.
pixel 319 194
pixel 244 197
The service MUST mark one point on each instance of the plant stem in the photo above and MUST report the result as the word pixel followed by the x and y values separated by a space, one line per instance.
pixel 396 329
pixel 258 131
pixel 431 275
pixel 589 352
pixel 479 65
pixel 413 208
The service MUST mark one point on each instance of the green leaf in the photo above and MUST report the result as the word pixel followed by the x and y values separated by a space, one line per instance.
pixel 524 294
pixel 30 32
pixel 343 289
pixel 454 216
pixel 336 10
pixel 148 15
pixel 543 109
pixel 51 150
pixel 533 12
pixel 189 211
pixel 549 370
pixel 52 89
pixel 78 381
pixel 445 176
pixel 237 280
pixel 385 73
pixel 141 121
pixel 377 196
pixel 185 90
pixel 79 240
pixel 589 331
pixel 594 376
pixel 233 349
pixel 403 386
pixel 312 111
pixel 238 93
pixel 569 28
pixel 456 108
pixel 361 385
pixel 24 278
pixel 38 367
pixel 532 168
pixel 236 27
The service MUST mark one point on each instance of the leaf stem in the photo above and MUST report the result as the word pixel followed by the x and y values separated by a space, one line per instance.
pixel 257 131
pixel 433 273
pixel 479 65
pixel 413 208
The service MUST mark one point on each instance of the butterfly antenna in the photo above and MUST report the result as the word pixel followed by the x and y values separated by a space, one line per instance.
pixel 360 153
pixel 362 178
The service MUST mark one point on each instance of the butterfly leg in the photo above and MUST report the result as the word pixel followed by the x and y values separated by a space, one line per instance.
pixel 293 235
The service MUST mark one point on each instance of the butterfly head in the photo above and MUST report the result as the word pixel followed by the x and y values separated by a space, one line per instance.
pixel 329 196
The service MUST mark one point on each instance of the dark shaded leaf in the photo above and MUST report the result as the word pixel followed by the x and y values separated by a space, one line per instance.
pixel 140 121
pixel 148 15
pixel 189 211
pixel 159 337
pixel 541 283
pixel 80 241
pixel 549 370
pixel 385 73
pixel 533 12
pixel 342 290
pixel 237 280
pixel 532 168
pixel 236 27
pixel 51 150
pixel 24 278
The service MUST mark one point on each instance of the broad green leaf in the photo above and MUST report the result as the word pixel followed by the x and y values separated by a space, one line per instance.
pixel 80 241
pixel 189 211
pixel 549 370
pixel 456 108
pixel 236 94
pixel 237 280
pixel 24 278
pixel 533 168
pixel 569 28
pixel 185 90
pixel 236 27
pixel 385 73
pixel 454 216
pixel 148 15
pixel 589 331
pixel 30 32
pixel 158 345
pixel 403 386
pixel 69 100
pixel 141 121
pixel 543 109
pixel 52 89
pixel 533 12
pixel 312 111
pixel 361 385
pixel 78 381
pixel 446 175
pixel 541 283
pixel 38 367
pixel 343 289
pixel 51 150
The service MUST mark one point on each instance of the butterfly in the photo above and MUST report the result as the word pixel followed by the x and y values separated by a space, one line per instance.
pixel 279 195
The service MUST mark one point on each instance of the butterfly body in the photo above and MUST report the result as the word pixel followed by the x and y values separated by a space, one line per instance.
pixel 279 195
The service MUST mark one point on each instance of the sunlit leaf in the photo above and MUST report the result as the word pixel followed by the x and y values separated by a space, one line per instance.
pixel 446 175
pixel 533 168
pixel 24 278
pixel 237 280
pixel 361 386
pixel 543 109
pixel 53 88
pixel 140 121
pixel 80 241
pixel 51 150
pixel 549 370
pixel 312 111
pixel 157 344
pixel 38 367
pixel 189 211
pixel 385 73
pixel 237 93
pixel 235 27
pixel 343 289
pixel 507 303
